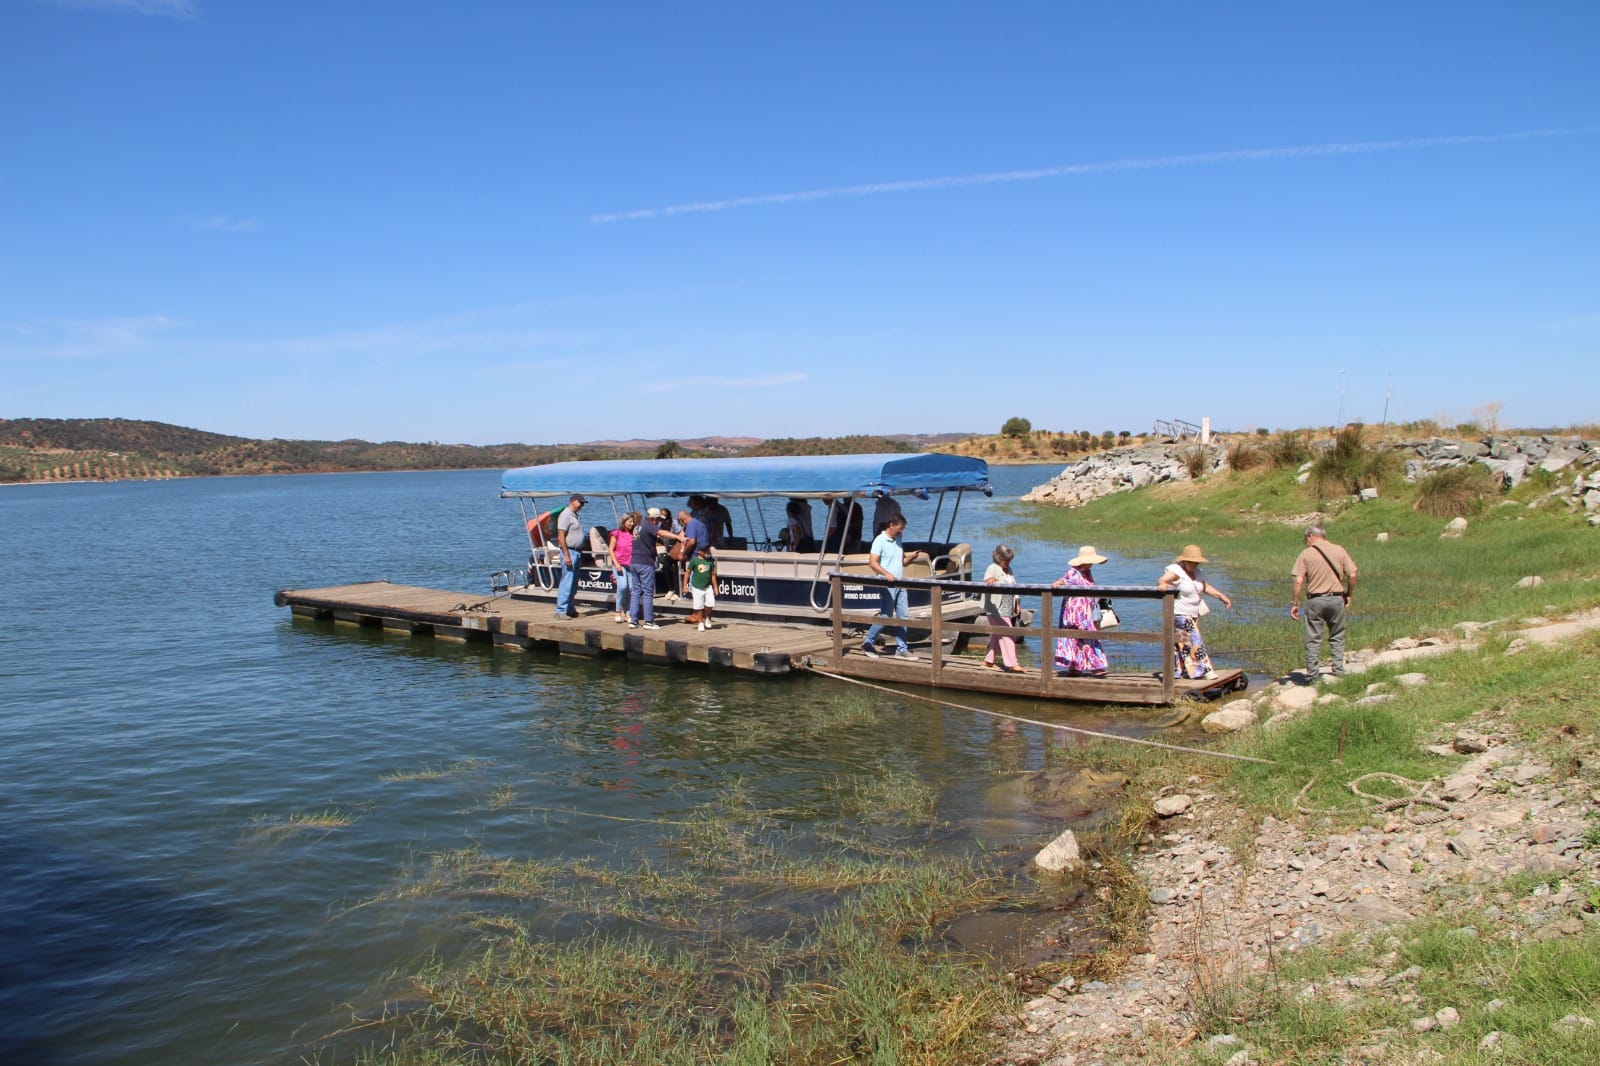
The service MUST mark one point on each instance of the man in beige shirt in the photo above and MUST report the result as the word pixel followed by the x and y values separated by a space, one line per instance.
pixel 1327 575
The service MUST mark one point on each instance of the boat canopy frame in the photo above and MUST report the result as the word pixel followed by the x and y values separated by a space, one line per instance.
pixel 807 476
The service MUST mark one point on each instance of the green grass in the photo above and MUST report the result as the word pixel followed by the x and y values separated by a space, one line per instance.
pixel 1306 1012
pixel 1417 583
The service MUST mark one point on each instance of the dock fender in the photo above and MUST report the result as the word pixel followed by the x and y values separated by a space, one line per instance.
pixel 591 640
pixel 281 598
pixel 677 651
pixel 772 662
pixel 719 658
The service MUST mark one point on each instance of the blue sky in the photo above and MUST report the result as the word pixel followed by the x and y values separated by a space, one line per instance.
pixel 490 222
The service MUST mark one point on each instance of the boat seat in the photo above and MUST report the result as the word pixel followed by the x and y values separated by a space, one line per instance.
pixel 957 560
pixel 599 548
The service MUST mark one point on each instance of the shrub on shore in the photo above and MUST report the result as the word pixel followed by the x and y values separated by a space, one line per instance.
pixel 1457 491
pixel 1244 454
pixel 1352 465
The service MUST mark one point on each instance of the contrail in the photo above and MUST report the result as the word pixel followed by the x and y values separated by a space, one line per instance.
pixel 1244 155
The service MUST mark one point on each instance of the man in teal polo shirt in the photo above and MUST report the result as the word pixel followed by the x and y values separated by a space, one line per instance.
pixel 888 560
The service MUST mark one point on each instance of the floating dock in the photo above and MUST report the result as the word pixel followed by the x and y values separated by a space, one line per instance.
pixel 756 647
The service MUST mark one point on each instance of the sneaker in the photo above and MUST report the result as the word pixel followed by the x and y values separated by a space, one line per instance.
pixel 651 625
pixel 561 615
pixel 869 651
pixel 621 618
pixel 1212 675
pixel 633 625
pixel 902 653
pixel 702 627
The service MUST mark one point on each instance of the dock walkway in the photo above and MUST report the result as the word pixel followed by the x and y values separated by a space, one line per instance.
pixel 756 647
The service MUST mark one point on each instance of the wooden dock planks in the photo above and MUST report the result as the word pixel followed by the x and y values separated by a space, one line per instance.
pixel 756 647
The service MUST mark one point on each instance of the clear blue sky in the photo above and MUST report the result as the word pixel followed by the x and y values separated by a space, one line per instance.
pixel 488 222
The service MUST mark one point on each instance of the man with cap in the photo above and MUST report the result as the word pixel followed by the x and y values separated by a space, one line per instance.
pixel 1327 575
pixel 570 536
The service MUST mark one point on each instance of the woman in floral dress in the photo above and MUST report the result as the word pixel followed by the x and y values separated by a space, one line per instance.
pixel 1079 656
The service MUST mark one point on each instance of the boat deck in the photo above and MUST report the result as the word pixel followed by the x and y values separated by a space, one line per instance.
pixel 766 648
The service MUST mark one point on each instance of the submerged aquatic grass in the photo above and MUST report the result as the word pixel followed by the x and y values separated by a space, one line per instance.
pixel 325 821
pixel 428 772
pixel 730 946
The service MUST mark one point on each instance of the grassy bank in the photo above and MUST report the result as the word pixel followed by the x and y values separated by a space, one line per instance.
pixel 1519 995
pixel 1479 949
pixel 1416 583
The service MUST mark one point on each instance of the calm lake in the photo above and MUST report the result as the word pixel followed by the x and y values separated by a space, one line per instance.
pixel 166 730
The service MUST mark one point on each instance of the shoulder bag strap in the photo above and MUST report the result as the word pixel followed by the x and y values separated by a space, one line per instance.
pixel 1336 571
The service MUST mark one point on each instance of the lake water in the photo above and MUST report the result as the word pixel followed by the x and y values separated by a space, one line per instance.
pixel 165 726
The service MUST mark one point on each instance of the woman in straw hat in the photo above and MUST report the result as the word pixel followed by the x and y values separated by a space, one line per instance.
pixel 1079 656
pixel 1189 649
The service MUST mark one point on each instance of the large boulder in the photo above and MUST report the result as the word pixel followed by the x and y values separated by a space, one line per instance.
pixel 1240 714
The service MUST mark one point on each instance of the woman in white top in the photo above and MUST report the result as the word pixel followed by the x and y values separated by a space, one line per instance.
pixel 1189 649
pixel 1001 611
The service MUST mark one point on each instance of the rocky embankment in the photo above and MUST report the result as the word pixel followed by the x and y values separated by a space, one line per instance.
pixel 1118 470
pixel 1228 893
pixel 1573 462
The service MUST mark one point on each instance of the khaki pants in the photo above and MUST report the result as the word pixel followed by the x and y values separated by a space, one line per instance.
pixel 1324 615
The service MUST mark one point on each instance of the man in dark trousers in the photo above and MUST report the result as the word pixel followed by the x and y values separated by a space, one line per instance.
pixel 1327 575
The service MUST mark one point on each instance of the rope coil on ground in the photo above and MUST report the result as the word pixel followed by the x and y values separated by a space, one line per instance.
pixel 1382 804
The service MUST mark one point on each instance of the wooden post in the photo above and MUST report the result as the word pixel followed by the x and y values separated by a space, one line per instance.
pixel 836 602
pixel 1169 636
pixel 1047 640
pixel 935 602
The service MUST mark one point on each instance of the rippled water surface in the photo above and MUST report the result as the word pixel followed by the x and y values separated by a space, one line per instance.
pixel 170 739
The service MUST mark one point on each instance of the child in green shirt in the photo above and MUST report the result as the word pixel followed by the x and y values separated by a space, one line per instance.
pixel 703 584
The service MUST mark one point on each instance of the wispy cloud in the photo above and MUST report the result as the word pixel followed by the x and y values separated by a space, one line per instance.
pixel 770 381
pixel 1245 155
pixel 61 338
pixel 218 223
pixel 176 9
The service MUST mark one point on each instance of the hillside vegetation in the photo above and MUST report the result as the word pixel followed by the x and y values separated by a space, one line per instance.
pixel 105 449
pixel 113 449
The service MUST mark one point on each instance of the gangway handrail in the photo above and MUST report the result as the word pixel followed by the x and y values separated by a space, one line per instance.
pixel 1046 628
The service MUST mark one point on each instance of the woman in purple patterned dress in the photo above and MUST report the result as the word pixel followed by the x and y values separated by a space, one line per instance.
pixel 1079 656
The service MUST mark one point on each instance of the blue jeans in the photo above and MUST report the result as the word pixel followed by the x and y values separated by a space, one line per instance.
pixel 569 582
pixel 642 581
pixel 619 578
pixel 895 605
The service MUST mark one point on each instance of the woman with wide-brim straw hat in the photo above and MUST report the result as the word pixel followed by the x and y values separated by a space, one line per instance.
pixel 1189 648
pixel 1080 656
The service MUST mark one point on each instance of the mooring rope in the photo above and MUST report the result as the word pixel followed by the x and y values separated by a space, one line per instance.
pixel 1042 725
pixel 1418 797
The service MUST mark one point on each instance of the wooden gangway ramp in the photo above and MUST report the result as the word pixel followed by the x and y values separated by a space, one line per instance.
pixel 757 647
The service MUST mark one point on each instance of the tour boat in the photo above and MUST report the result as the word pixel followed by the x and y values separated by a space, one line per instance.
pixel 760 575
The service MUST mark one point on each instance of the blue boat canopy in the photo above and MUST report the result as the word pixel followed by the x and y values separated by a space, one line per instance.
pixel 885 474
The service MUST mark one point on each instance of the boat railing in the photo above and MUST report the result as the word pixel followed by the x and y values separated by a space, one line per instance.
pixel 1045 627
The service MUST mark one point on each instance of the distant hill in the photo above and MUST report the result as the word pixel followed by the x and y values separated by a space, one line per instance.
pixel 113 449
pixel 108 449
